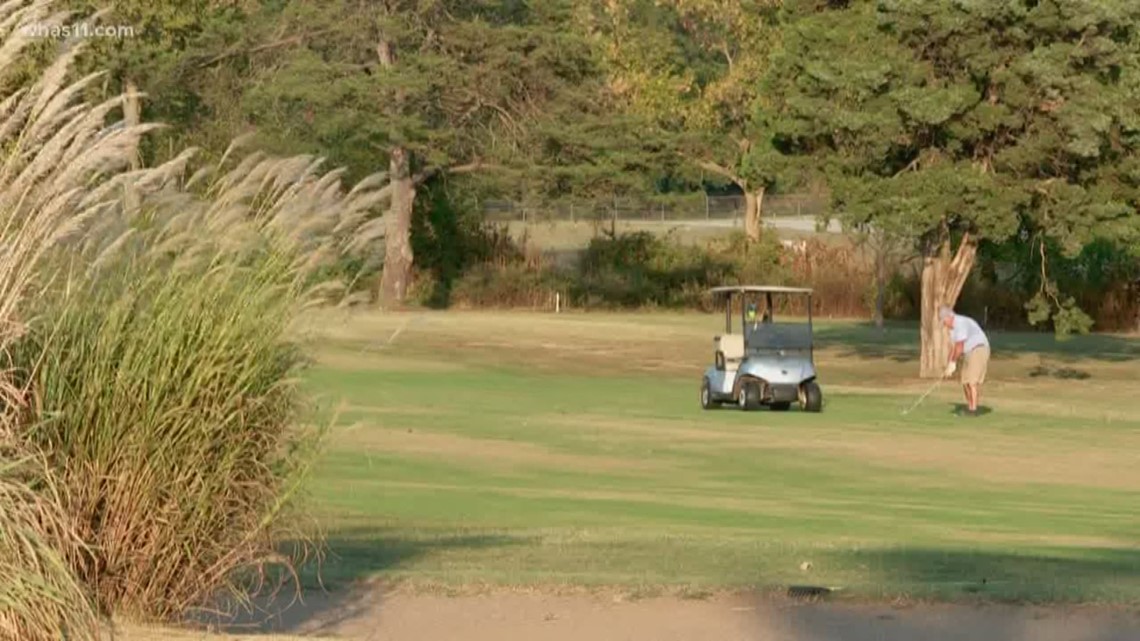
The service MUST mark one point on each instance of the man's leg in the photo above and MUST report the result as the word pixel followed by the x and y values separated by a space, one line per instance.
pixel 972 397
pixel 980 358
pixel 966 393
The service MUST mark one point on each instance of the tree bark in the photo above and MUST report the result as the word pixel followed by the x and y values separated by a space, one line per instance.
pixel 943 277
pixel 753 200
pixel 398 256
pixel 753 208
pixel 880 284
pixel 132 117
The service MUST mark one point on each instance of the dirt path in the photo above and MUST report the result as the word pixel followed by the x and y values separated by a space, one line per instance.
pixel 379 616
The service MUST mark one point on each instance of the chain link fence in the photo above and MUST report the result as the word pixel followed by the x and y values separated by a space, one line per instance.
pixel 690 208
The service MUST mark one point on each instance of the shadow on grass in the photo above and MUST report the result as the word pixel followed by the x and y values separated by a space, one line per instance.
pixel 1070 575
pixel 339 591
pixel 1073 576
pixel 1063 373
pixel 959 409
pixel 899 342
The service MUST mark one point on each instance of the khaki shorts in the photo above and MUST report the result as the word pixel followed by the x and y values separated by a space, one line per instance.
pixel 974 366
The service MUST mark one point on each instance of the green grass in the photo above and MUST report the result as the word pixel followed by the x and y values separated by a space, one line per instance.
pixel 546 451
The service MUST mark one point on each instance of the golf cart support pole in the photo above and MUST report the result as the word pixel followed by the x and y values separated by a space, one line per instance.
pixel 811 330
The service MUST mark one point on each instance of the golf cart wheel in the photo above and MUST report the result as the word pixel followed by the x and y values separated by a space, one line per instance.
pixel 811 397
pixel 781 406
pixel 749 398
pixel 707 402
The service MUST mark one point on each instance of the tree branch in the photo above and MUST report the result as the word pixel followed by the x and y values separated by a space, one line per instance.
pixel 911 165
pixel 727 54
pixel 431 172
pixel 959 268
pixel 723 172
pixel 956 263
pixel 284 42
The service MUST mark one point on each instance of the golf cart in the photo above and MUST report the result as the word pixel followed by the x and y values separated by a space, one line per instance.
pixel 766 363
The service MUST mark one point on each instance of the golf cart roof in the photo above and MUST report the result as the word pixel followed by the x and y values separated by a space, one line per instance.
pixel 763 289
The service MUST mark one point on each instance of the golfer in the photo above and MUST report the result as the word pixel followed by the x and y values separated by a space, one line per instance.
pixel 971 343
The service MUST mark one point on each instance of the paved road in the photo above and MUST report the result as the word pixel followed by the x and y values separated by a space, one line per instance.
pixel 794 223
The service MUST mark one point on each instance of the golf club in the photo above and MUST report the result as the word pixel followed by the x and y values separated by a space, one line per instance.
pixel 400 330
pixel 922 398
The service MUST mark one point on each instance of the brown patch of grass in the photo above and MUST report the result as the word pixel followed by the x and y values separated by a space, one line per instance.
pixel 380 361
pixel 404 410
pixel 484 451
pixel 996 458
pixel 1043 540
pixel 773 506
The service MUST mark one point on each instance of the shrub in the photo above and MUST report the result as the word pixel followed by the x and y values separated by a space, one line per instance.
pixel 40 598
pixel 509 286
pixel 146 357
pixel 167 415
pixel 165 383
pixel 452 243
pixel 642 269
pixel 52 154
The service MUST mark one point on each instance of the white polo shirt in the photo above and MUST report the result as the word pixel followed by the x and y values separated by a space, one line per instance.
pixel 967 329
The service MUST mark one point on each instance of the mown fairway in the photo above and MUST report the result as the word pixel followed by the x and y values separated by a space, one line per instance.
pixel 569 450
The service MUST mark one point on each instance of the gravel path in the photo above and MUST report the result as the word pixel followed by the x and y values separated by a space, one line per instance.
pixel 378 616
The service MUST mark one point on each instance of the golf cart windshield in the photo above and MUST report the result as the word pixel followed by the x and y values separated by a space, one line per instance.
pixel 762 331
pixel 777 336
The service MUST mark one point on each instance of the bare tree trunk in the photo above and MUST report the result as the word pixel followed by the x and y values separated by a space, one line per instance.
pixel 935 340
pixel 942 280
pixel 398 256
pixel 132 116
pixel 753 207
pixel 880 283
pixel 1134 299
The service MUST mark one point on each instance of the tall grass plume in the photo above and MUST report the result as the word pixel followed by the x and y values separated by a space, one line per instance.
pixel 146 356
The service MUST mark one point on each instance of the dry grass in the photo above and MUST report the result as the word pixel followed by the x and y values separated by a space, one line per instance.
pixel 500 455
pixel 40 598
pixel 196 448
pixel 52 153
pixel 144 353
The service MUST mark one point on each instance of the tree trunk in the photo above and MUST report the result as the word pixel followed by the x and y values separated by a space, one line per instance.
pixel 1135 300
pixel 132 116
pixel 880 284
pixel 753 207
pixel 398 257
pixel 942 281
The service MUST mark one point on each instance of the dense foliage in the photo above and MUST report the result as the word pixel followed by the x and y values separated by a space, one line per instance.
pixel 931 123
pixel 1000 120
pixel 152 436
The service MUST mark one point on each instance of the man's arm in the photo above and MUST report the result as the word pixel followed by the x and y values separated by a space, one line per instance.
pixel 956 352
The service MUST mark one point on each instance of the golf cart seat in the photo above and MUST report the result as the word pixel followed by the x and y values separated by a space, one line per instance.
pixel 729 351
